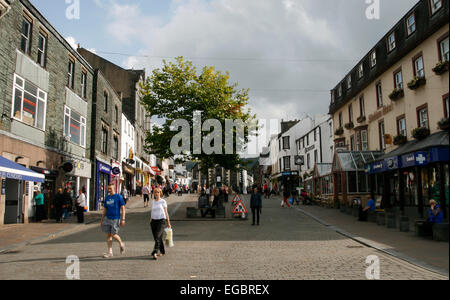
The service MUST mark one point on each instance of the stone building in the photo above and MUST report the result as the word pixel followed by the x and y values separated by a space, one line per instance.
pixel 45 106
pixel 106 138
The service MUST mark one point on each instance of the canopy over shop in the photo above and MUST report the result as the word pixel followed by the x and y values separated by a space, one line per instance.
pixel 350 179
pixel 415 173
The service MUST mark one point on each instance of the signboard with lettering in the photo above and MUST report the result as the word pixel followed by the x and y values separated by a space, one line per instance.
pixel 415 159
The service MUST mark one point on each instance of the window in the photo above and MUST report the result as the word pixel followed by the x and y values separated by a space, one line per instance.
pixel 74 127
pixel 352 143
pixel 419 70
pixel 104 140
pixel 401 126
pixel 379 95
pixel 308 161
pixel 350 113
pixel 446 108
pixel 281 166
pixel 116 148
pixel 116 114
pixel 29 103
pixel 286 143
pixel 105 101
pixel 360 71
pixel 382 132
pixel 331 130
pixel 373 59
pixel 362 107
pixel 340 91
pixel 71 74
pixel 341 121
pixel 25 42
pixel 287 162
pixel 422 117
pixel 349 82
pixel 411 24
pixel 391 42
pixel 316 134
pixel 398 80
pixel 42 50
pixel 364 141
pixel 316 156
pixel 307 139
pixel 435 5
pixel 444 50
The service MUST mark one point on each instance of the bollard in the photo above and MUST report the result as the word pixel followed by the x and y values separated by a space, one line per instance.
pixel 390 220
pixel 381 219
pixel 404 224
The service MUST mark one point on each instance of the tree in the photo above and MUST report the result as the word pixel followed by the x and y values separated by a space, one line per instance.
pixel 177 92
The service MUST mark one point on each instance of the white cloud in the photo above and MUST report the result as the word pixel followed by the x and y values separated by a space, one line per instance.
pixel 289 53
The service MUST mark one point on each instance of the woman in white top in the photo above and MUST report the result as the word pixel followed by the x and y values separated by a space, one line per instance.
pixel 159 221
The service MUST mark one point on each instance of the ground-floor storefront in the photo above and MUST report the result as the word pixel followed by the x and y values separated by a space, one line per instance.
pixel 412 175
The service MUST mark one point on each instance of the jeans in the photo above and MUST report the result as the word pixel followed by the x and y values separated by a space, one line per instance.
pixel 158 230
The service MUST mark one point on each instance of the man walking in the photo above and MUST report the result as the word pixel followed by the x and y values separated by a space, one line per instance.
pixel 81 204
pixel 256 205
pixel 112 219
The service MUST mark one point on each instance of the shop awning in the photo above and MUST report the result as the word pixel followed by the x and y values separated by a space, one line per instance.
pixel 11 170
pixel 348 161
pixel 414 153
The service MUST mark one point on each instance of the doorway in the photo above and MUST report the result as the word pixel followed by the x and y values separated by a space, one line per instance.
pixel 14 201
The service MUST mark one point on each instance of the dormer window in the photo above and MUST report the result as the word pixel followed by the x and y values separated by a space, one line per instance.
pixel 435 5
pixel 391 42
pixel 411 24
pixel 349 82
pixel 360 71
pixel 373 59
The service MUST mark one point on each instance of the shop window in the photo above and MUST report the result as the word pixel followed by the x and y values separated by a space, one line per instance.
pixel 74 127
pixel 29 103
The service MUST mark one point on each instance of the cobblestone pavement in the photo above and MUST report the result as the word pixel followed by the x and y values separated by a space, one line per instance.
pixel 288 245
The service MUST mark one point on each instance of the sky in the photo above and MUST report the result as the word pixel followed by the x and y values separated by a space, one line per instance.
pixel 289 53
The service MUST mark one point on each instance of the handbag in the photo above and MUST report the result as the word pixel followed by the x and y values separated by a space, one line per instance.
pixel 169 237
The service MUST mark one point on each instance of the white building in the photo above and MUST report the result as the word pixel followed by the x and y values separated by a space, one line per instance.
pixel 316 146
pixel 127 155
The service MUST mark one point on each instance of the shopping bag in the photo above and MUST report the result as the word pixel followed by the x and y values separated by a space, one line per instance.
pixel 282 203
pixel 291 201
pixel 169 237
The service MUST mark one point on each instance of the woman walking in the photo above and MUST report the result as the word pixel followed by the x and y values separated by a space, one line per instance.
pixel 159 221
pixel 40 210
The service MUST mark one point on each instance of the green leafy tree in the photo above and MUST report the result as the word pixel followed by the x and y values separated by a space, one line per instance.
pixel 177 91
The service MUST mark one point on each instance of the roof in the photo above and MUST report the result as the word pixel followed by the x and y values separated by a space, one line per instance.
pixel 347 161
pixel 438 139
pixel 324 169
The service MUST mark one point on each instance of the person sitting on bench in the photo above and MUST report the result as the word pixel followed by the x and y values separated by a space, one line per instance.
pixel 435 216
pixel 211 210
pixel 364 212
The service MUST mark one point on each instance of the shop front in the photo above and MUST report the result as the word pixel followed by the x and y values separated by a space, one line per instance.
pixel 350 180
pixel 323 181
pixel 16 186
pixel 77 176
pixel 128 178
pixel 116 173
pixel 411 179
pixel 103 178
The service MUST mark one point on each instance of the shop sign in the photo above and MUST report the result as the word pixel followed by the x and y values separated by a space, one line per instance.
pixel 104 168
pixel 115 171
pixel 415 159
pixel 3 186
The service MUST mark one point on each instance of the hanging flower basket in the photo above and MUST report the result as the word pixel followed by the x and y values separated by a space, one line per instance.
pixel 397 94
pixel 400 140
pixel 441 68
pixel 349 125
pixel 361 119
pixel 339 131
pixel 444 124
pixel 421 133
pixel 416 83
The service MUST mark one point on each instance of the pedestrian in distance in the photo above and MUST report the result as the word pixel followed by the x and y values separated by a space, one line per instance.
pixel 159 221
pixel 364 211
pixel 81 204
pixel 146 193
pixel 113 218
pixel 125 195
pixel 67 203
pixel 256 206
pixel 435 216
pixel 285 200
pixel 40 209
pixel 58 203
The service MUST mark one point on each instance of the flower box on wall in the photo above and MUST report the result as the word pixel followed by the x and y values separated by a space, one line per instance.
pixel 400 140
pixel 421 133
pixel 339 131
pixel 416 83
pixel 361 119
pixel 349 125
pixel 444 124
pixel 397 94
pixel 441 68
